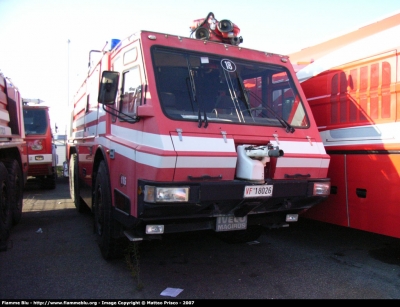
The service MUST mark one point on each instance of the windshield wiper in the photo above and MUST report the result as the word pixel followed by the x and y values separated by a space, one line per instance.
pixel 288 127
pixel 195 100
pixel 232 93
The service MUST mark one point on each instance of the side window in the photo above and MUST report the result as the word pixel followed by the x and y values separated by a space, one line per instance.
pixel 131 91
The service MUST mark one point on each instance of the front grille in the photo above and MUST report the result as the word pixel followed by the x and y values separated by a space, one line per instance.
pixel 39 170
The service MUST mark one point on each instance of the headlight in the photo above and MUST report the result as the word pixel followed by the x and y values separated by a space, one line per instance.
pixel 165 194
pixel 37 146
pixel 322 188
pixel 154 229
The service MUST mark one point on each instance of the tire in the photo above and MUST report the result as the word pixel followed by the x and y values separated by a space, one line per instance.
pixel 241 236
pixel 106 228
pixel 74 183
pixel 5 207
pixel 16 190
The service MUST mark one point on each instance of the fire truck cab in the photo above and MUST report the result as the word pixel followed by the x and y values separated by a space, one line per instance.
pixel 42 154
pixel 175 134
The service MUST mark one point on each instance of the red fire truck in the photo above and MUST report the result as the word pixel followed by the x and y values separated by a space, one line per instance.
pixel 42 154
pixel 352 83
pixel 176 134
pixel 13 158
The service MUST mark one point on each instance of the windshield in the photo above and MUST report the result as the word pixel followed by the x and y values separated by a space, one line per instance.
pixel 207 88
pixel 35 121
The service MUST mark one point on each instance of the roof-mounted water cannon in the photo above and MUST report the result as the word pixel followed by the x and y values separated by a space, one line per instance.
pixel 209 28
pixel 252 160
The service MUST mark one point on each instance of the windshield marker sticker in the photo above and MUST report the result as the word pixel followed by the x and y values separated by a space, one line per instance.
pixel 228 65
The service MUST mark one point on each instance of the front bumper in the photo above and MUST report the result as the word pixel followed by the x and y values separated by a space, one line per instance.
pixel 210 199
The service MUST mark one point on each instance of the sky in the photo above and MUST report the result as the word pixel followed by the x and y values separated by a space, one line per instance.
pixel 45 44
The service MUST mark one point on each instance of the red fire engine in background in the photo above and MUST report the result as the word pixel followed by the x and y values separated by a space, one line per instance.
pixel 352 83
pixel 13 158
pixel 42 154
pixel 176 134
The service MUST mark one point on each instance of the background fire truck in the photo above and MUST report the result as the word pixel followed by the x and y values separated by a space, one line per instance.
pixel 352 85
pixel 42 154
pixel 175 134
pixel 13 158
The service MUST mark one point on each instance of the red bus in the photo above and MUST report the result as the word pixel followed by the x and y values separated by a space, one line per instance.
pixel 352 85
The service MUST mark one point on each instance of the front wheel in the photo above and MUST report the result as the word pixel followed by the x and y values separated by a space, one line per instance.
pixel 107 229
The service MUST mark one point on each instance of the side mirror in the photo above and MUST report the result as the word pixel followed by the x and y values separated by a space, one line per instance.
pixel 108 87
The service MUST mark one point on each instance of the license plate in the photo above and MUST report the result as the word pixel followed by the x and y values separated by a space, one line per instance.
pixel 229 223
pixel 257 190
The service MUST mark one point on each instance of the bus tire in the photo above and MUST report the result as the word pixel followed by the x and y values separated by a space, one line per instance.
pixel 5 208
pixel 74 183
pixel 16 189
pixel 106 228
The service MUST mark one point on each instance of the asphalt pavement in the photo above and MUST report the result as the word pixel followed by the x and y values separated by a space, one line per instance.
pixel 52 254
